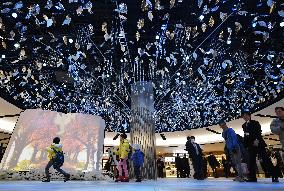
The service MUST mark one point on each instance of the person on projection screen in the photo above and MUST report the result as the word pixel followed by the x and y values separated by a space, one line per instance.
pixel 56 159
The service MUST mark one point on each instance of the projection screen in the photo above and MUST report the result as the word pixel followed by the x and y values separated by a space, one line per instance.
pixel 82 137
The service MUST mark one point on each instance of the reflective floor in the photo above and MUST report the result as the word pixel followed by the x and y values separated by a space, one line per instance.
pixel 171 184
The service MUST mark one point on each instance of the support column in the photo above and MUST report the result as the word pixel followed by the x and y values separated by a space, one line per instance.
pixel 142 127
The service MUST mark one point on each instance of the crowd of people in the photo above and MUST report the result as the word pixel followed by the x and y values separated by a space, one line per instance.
pixel 246 150
pixel 242 152
pixel 119 157
pixel 241 155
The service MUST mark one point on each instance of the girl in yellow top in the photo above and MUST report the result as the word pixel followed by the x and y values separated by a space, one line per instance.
pixel 122 152
pixel 55 147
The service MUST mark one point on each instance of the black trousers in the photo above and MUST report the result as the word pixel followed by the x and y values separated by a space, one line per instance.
pixel 137 172
pixel 261 152
pixel 160 172
pixel 185 173
pixel 226 170
pixel 214 169
pixel 275 172
pixel 49 164
pixel 197 163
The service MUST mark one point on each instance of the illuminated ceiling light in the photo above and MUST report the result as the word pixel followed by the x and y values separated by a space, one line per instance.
pixel 17 45
pixel 229 41
pixel 179 37
pixel 269 25
pixel 121 34
pixel 3 56
pixel 70 40
pixel 164 27
pixel 15 15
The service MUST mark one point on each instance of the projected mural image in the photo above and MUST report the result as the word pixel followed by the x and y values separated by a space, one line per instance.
pixel 81 135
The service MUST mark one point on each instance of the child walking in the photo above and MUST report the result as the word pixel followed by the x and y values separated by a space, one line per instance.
pixel 56 159
pixel 138 160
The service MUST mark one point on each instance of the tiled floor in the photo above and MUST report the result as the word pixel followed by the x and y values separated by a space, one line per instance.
pixel 160 185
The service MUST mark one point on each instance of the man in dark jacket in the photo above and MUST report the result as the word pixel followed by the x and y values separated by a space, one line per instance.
pixel 195 153
pixel 213 162
pixel 160 167
pixel 255 144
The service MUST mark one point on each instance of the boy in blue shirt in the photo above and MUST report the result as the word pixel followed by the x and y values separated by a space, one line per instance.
pixel 138 160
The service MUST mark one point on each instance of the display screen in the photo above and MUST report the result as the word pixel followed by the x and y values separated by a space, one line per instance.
pixel 81 135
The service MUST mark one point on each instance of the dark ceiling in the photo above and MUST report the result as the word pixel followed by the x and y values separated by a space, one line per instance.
pixel 207 59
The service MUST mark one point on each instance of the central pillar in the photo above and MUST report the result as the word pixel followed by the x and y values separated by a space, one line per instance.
pixel 142 126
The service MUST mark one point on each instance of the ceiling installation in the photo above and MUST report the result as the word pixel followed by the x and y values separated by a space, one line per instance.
pixel 207 59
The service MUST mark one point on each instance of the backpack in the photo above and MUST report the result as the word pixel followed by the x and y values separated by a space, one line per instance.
pixel 58 160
